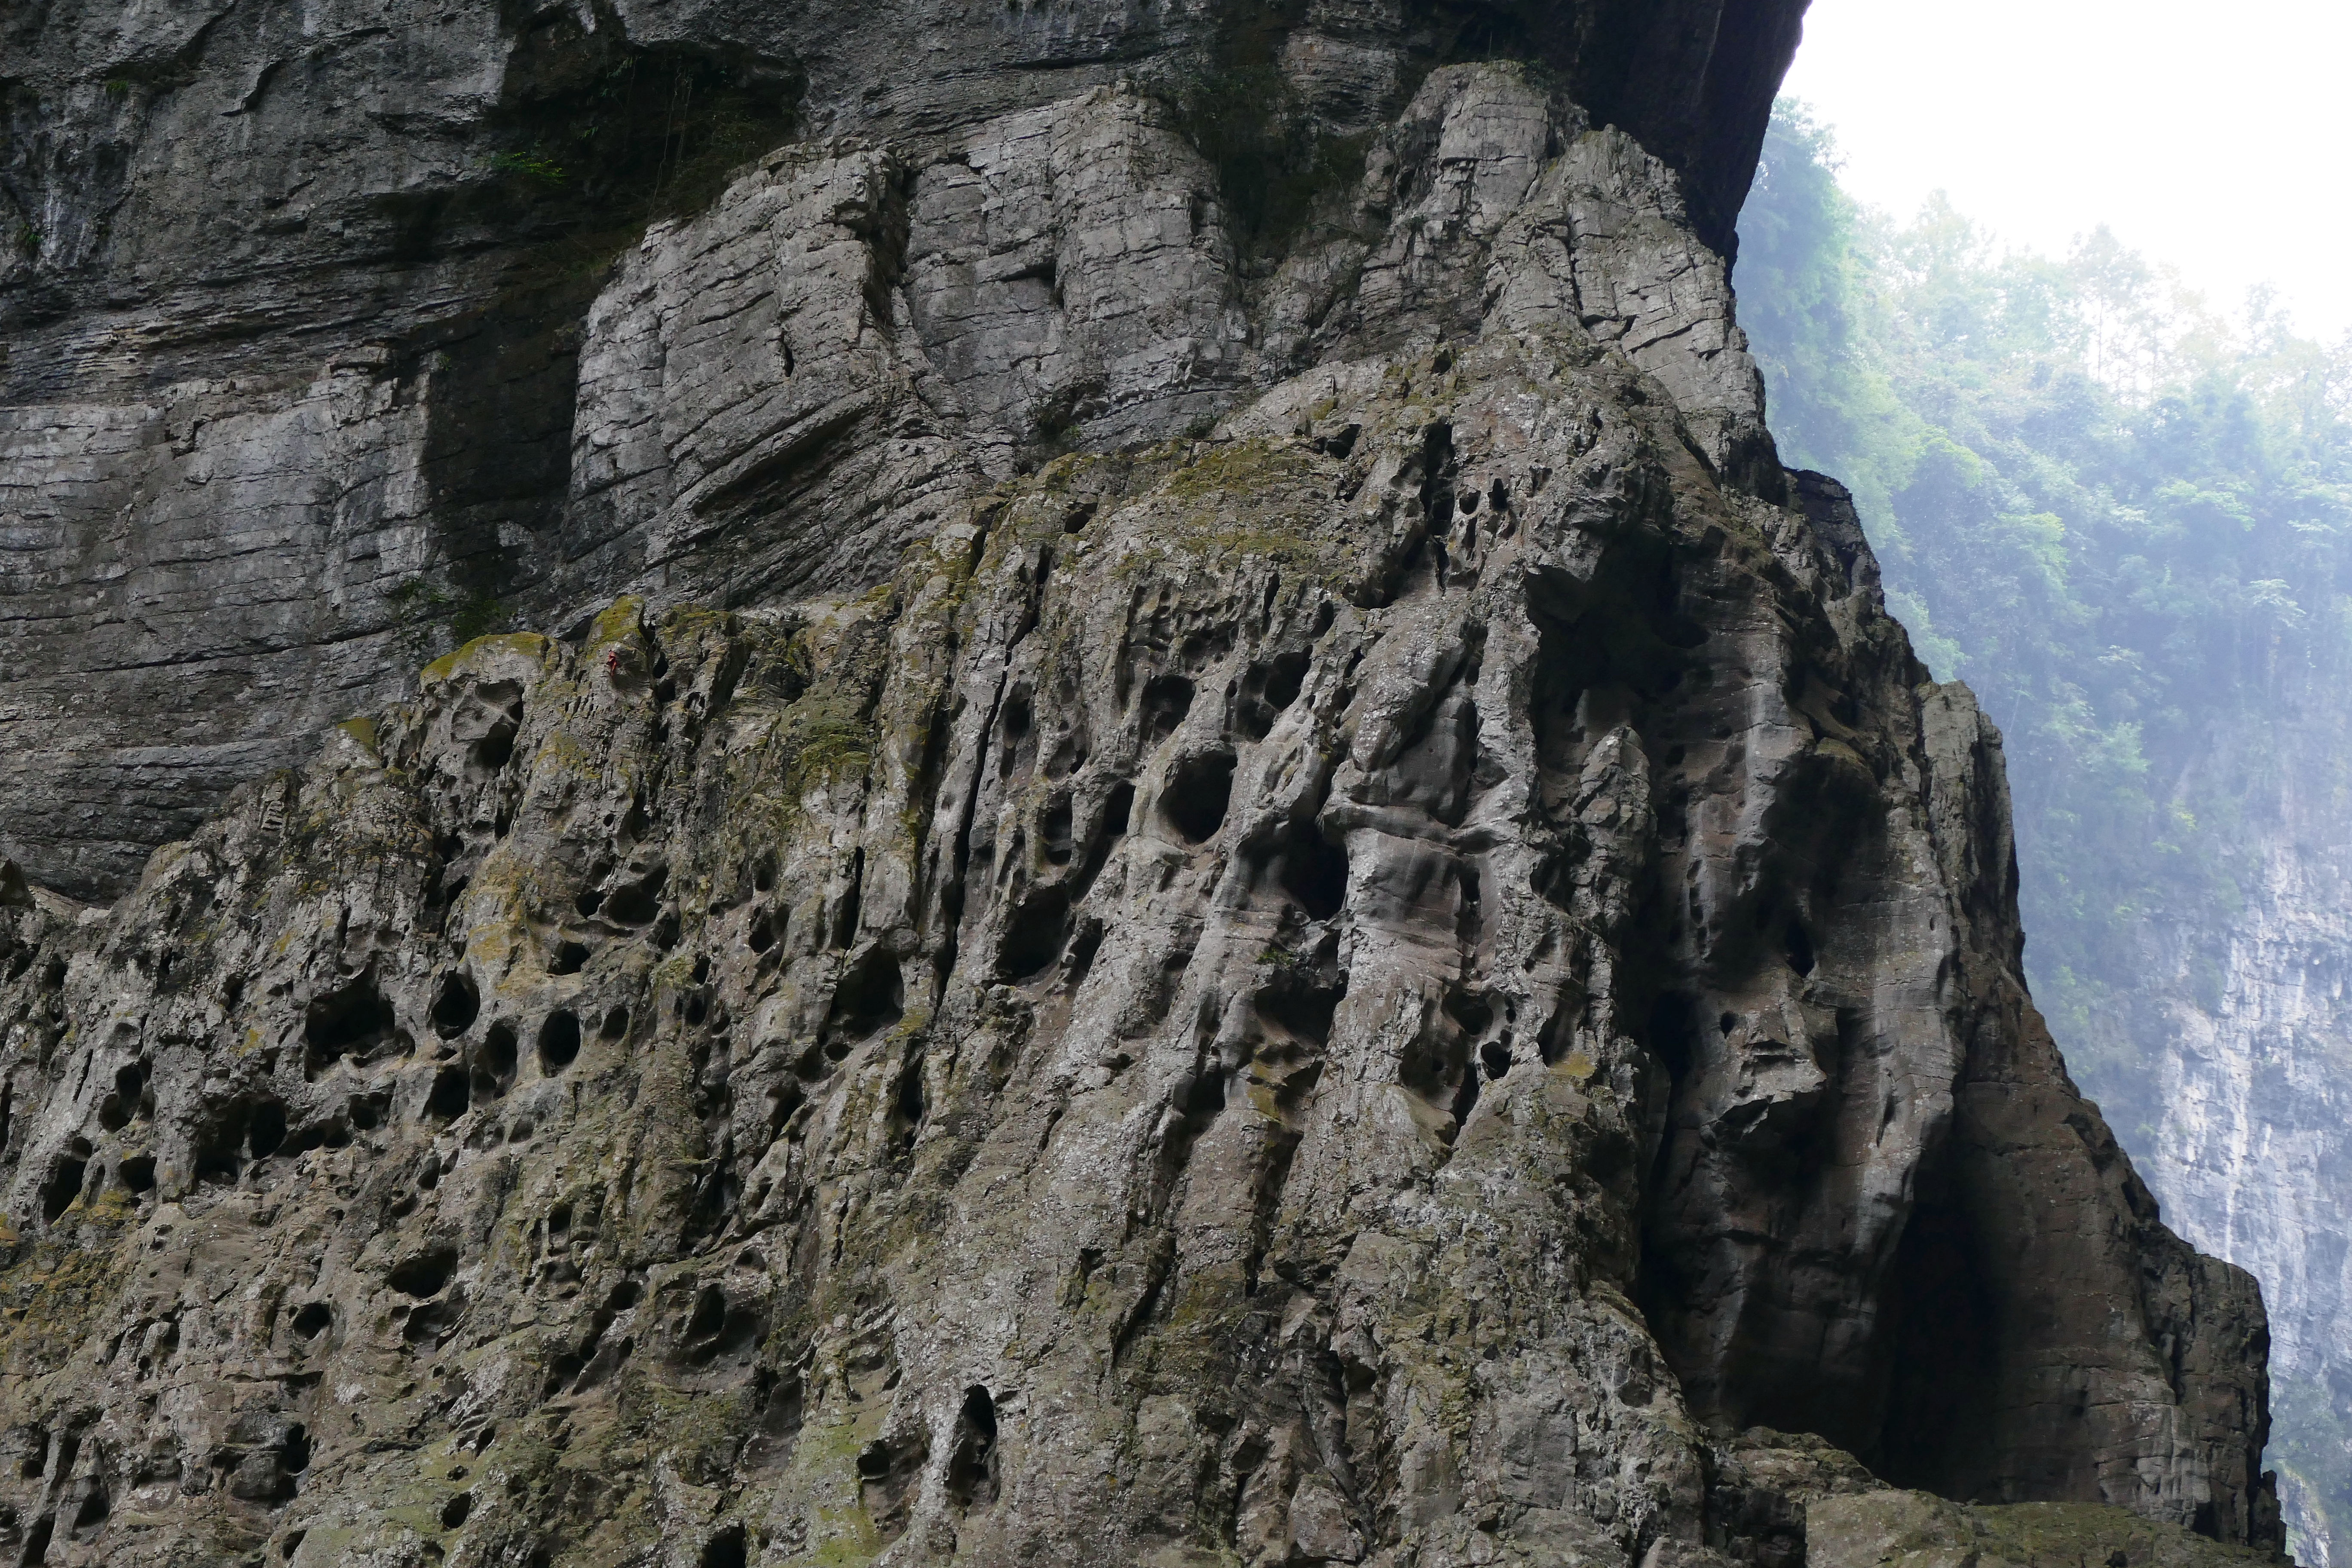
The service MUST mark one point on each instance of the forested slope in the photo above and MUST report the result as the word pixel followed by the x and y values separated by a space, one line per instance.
pixel 2127 522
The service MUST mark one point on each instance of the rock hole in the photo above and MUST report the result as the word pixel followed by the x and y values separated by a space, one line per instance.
pixel 590 900
pixel 350 1022
pixel 972 1461
pixel 887 1477
pixel 845 913
pixel 496 749
pixel 868 999
pixel 138 1172
pixel 423 1275
pixel 725 1549
pixel 615 1024
pixel 1726 1022
pixel 1118 807
pixel 449 1098
pixel 1268 690
pixel 1197 793
pixel 1035 936
pixel 96 1504
pixel 265 1132
pixel 457 1510
pixel 1671 1032
pixel 1465 1097
pixel 1314 871
pixel 220 1145
pixel 63 1186
pixel 1437 470
pixel 1495 1057
pixel 1166 698
pixel 113 1114
pixel 1082 947
pixel 36 1542
pixel 456 1006
pixel 635 903
pixel 762 935
pixel 1054 832
pixel 784 1101
pixel 494 1063
pixel 292 1544
pixel 367 1111
pixel 1799 947
pixel 709 1313
pixel 1474 1013
pixel 294 1452
pixel 313 1321
pixel 907 1104
pixel 559 1042
pixel 568 958
pixel 1300 1009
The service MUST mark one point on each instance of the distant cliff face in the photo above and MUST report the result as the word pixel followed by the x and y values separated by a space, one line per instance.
pixel 1244 882
pixel 2242 1018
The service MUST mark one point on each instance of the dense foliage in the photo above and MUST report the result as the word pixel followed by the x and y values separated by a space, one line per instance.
pixel 2127 524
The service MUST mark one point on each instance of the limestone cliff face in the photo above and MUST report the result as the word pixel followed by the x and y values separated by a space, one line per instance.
pixel 1215 901
pixel 2242 1017
pixel 293 303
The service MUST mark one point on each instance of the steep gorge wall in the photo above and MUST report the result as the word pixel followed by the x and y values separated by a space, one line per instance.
pixel 1392 959
pixel 294 299
pixel 2242 1017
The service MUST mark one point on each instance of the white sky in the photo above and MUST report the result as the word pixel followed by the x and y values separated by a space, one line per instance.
pixel 2216 137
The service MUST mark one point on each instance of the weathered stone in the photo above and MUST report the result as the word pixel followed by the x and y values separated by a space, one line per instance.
pixel 1383 963
pixel 294 305
pixel 1883 1528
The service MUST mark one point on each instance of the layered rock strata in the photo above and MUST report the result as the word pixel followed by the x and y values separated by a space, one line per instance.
pixel 294 304
pixel 1363 969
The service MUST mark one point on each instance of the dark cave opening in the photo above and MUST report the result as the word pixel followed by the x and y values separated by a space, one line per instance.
pixel 1035 934
pixel 972 1461
pixel 1197 793
pixel 349 1022
pixel 1943 1356
pixel 869 998
pixel 456 1007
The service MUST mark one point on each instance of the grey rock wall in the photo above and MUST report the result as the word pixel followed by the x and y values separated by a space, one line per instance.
pixel 293 302
pixel 1214 904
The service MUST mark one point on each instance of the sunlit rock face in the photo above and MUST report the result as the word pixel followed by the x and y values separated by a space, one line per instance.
pixel 2242 1020
pixel 1212 902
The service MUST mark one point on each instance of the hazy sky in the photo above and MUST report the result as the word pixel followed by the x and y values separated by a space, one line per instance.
pixel 2217 138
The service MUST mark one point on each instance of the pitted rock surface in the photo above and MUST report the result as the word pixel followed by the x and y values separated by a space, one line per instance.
pixel 295 305
pixel 1207 907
